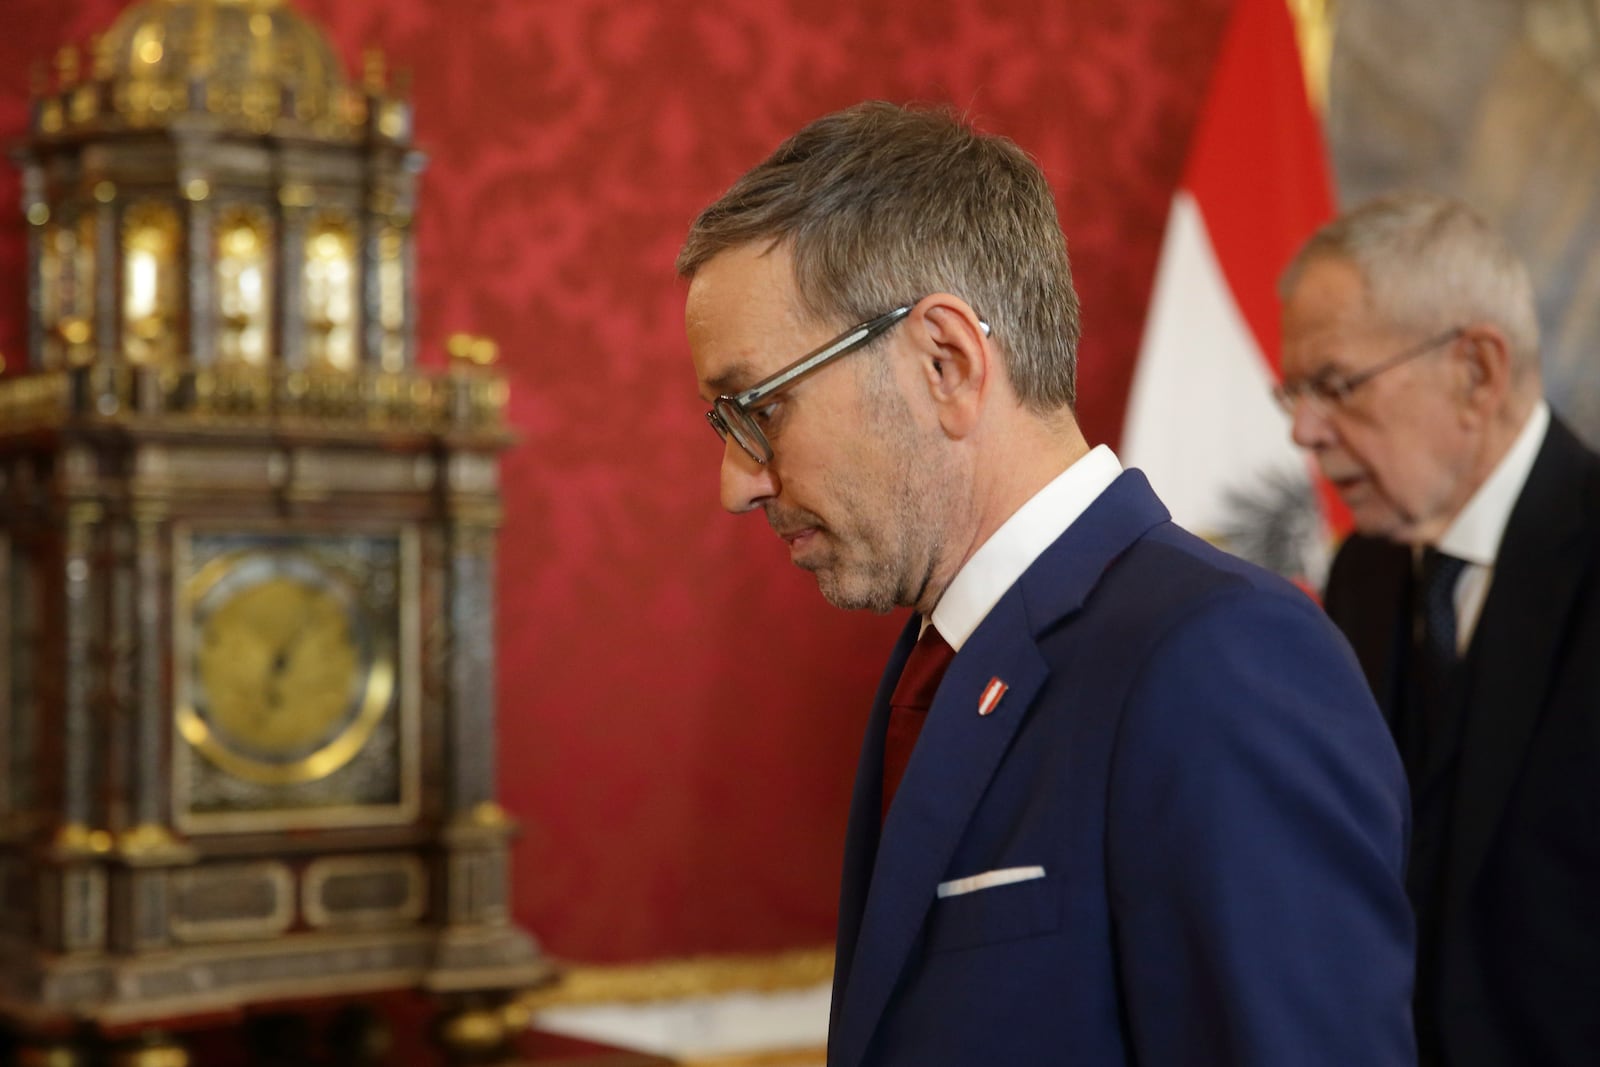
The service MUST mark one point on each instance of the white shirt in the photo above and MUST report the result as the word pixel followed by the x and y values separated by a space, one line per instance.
pixel 1476 533
pixel 1021 539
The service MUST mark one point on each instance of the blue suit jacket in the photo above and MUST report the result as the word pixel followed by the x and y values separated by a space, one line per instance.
pixel 1189 750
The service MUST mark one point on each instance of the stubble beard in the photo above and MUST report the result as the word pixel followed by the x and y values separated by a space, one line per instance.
pixel 889 561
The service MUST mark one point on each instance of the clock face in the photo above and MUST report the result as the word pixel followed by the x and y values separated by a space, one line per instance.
pixel 279 664
pixel 287 679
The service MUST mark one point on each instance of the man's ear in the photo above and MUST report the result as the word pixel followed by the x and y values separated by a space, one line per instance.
pixel 1484 359
pixel 956 361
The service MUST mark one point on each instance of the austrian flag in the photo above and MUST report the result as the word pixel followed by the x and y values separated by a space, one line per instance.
pixel 1201 422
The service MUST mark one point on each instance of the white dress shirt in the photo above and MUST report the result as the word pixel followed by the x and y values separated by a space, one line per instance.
pixel 1476 534
pixel 1021 539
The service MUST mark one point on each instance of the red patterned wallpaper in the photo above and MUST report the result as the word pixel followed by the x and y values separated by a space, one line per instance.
pixel 679 709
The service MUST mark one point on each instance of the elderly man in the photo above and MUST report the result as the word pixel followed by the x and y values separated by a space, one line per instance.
pixel 1152 815
pixel 1411 364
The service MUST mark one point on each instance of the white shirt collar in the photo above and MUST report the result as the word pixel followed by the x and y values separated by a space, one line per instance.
pixel 1476 533
pixel 1021 539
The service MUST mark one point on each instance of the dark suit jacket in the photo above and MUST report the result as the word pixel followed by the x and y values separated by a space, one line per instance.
pixel 1520 925
pixel 1189 751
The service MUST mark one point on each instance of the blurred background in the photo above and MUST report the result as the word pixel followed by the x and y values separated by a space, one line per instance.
pixel 679 712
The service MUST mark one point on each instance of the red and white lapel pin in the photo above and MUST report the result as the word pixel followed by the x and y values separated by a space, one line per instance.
pixel 991 696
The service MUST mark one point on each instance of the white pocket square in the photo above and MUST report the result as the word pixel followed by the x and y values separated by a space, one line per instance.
pixel 988 880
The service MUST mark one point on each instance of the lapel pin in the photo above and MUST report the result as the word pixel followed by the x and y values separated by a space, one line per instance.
pixel 991 696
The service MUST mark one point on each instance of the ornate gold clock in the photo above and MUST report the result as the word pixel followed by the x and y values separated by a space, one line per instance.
pixel 247 554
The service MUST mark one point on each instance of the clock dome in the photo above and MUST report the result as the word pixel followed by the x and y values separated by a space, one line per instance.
pixel 256 66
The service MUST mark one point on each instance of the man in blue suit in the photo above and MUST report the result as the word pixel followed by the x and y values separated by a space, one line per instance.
pixel 1152 815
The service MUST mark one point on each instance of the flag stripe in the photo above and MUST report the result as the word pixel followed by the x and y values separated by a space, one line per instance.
pixel 1257 166
pixel 1201 411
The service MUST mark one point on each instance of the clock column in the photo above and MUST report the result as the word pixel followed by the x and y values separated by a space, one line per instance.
pixel 475 870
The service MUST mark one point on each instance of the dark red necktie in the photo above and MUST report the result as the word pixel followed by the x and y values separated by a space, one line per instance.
pixel 908 707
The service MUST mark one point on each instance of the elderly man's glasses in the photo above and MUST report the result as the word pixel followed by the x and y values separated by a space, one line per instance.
pixel 1330 389
pixel 731 416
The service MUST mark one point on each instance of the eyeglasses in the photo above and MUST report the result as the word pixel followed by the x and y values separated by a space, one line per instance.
pixel 1330 389
pixel 732 415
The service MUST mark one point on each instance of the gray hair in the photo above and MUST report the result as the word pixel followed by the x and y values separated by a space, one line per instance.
pixel 1431 264
pixel 880 205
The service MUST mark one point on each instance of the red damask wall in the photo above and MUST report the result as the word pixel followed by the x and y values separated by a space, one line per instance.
pixel 679 711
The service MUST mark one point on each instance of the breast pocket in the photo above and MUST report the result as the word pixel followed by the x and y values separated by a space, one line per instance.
pixel 993 914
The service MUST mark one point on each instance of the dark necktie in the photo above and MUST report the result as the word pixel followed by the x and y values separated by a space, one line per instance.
pixel 1438 587
pixel 1433 657
pixel 908 707
pixel 1427 745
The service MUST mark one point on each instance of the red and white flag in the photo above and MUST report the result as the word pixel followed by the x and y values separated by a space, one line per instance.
pixel 1201 421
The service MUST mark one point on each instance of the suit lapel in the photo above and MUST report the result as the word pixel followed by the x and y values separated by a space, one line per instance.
pixel 866 811
pixel 1535 585
pixel 955 758
pixel 1372 607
